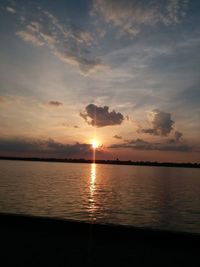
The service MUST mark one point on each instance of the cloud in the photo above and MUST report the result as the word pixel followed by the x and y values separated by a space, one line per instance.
pixel 162 124
pixel 131 15
pixel 10 9
pixel 101 117
pixel 19 144
pixel 82 36
pixel 68 149
pixel 86 65
pixel 177 137
pixel 140 144
pixel 48 147
pixel 68 125
pixel 117 137
pixel 27 36
pixel 70 44
pixel 55 103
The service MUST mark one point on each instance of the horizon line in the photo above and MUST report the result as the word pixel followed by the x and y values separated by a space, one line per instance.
pixel 101 161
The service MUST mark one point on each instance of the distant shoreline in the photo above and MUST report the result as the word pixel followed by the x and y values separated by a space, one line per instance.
pixel 113 162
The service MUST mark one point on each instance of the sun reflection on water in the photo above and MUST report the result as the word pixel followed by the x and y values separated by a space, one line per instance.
pixel 92 190
pixel 92 179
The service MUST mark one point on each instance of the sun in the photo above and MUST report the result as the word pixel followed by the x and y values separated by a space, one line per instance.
pixel 95 144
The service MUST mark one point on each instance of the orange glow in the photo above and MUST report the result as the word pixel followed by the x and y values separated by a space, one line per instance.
pixel 93 178
pixel 95 144
pixel 92 203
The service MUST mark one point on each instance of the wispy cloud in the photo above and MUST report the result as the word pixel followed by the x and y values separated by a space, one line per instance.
pixel 68 125
pixel 131 15
pixel 72 57
pixel 69 43
pixel 10 9
pixel 28 35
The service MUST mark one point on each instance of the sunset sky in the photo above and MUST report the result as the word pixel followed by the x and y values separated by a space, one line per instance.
pixel 123 72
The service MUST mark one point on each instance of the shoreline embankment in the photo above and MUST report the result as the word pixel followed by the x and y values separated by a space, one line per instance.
pixel 35 241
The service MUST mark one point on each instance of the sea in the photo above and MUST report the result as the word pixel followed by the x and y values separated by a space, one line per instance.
pixel 154 197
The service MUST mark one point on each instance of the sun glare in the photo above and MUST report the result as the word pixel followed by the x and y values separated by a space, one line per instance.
pixel 94 144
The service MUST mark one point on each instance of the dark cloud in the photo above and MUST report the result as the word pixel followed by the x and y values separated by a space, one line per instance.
pixel 100 116
pixel 55 103
pixel 162 124
pixel 20 145
pixel 140 144
pixel 177 137
pixel 117 136
pixel 48 147
pixel 69 149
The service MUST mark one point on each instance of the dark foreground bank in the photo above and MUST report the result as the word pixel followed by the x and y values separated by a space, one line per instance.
pixel 33 241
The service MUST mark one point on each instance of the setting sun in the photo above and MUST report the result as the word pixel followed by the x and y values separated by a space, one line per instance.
pixel 95 144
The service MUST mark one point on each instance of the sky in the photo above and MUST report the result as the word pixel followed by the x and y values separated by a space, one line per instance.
pixel 122 72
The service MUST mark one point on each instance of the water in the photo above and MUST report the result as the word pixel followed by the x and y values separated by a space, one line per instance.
pixel 155 197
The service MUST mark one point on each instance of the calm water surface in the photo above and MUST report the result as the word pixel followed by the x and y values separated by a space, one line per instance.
pixel 156 197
